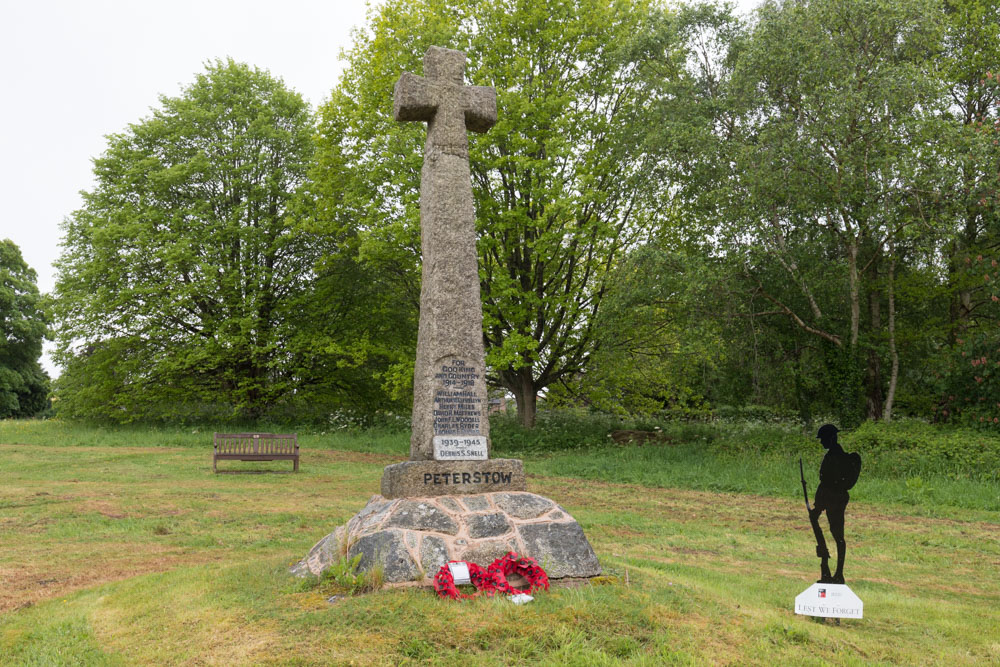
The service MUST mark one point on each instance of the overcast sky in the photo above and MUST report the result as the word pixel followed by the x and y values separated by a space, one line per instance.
pixel 73 71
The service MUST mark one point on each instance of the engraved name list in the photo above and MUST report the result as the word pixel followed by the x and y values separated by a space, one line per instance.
pixel 458 413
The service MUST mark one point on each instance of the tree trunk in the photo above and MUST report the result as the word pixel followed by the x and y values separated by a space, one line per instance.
pixel 525 396
pixel 852 265
pixel 893 353
pixel 249 379
pixel 960 308
pixel 873 378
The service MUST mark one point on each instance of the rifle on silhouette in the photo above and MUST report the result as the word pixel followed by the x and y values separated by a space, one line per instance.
pixel 821 550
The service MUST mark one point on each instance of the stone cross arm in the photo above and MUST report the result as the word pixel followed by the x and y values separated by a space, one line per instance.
pixel 441 99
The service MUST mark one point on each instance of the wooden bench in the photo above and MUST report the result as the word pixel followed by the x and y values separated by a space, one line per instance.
pixel 255 447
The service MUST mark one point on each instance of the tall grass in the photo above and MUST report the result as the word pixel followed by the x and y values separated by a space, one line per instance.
pixel 690 466
pixel 908 462
pixel 62 433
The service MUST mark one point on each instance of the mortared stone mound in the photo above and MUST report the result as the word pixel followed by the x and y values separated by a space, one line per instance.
pixel 411 538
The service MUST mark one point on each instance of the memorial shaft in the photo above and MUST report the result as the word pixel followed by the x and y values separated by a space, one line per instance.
pixel 449 503
pixel 450 406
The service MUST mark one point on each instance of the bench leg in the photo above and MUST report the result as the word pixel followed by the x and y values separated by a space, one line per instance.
pixel 295 464
pixel 214 469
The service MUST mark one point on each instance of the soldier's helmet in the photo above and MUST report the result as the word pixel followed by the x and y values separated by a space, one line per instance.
pixel 827 431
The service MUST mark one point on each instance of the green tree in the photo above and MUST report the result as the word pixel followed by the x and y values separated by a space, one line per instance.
pixel 352 340
pixel 970 64
pixel 817 173
pixel 24 385
pixel 561 182
pixel 178 277
pixel 659 340
pixel 970 378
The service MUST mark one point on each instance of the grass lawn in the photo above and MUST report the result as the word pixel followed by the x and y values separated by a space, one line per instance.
pixel 123 548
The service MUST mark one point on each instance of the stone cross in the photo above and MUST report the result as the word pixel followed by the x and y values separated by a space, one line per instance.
pixel 449 386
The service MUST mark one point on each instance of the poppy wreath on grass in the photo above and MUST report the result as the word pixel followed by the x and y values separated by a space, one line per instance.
pixel 444 582
pixel 525 566
pixel 493 579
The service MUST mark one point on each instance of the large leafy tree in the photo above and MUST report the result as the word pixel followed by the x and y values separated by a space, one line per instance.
pixel 970 66
pixel 659 346
pixel 970 59
pixel 23 383
pixel 180 276
pixel 561 182
pixel 816 173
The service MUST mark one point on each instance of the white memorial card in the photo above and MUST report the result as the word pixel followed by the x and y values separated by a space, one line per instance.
pixel 460 448
pixel 460 573
pixel 829 601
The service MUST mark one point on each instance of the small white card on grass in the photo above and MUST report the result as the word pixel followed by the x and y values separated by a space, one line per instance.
pixel 460 573
pixel 521 598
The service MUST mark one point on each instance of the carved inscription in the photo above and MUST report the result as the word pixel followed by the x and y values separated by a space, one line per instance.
pixel 455 478
pixel 460 448
pixel 458 409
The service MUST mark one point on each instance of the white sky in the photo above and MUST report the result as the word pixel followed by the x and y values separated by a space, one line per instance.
pixel 73 71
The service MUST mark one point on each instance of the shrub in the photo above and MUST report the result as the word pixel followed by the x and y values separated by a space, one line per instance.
pixel 754 413
pixel 554 430
pixel 915 446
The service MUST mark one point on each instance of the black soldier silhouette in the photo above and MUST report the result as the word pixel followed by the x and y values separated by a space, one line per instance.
pixel 837 475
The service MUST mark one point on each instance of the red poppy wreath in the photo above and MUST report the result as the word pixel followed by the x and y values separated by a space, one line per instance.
pixel 526 566
pixel 493 579
pixel 444 582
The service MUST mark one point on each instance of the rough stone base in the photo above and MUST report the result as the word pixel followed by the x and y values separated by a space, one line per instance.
pixel 411 538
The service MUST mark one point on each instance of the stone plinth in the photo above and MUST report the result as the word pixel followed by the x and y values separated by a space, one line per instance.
pixel 411 538
pixel 447 478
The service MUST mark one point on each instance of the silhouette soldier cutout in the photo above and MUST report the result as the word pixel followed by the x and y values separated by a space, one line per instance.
pixel 837 475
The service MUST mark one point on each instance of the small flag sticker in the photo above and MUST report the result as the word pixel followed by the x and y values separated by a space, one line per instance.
pixel 822 592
